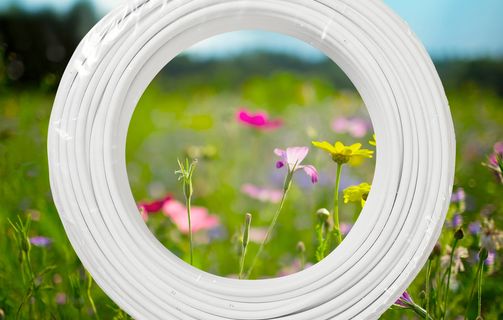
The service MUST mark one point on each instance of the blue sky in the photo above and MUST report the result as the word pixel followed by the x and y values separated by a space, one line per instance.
pixel 448 28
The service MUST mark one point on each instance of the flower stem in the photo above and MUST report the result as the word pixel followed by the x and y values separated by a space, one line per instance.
pixel 476 283
pixel 188 205
pixel 242 262
pixel 286 188
pixel 449 270
pixel 421 312
pixel 89 295
pixel 479 306
pixel 428 285
pixel 337 229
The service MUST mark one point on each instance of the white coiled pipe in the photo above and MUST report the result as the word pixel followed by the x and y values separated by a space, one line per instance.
pixel 398 226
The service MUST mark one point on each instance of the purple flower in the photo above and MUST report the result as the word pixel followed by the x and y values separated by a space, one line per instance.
pixel 474 228
pixel 491 258
pixel 40 241
pixel 458 195
pixel 293 157
pixel 345 228
pixel 457 221
pixel 404 301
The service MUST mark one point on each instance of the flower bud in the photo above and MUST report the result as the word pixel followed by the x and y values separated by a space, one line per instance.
pixel 459 234
pixel 301 247
pixel 436 251
pixel 323 214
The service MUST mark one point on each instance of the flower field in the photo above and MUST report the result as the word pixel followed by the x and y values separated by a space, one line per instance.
pixel 272 171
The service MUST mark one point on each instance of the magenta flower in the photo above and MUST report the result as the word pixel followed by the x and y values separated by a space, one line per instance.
pixel 40 241
pixel 262 194
pixel 200 218
pixel 495 161
pixel 153 206
pixel 405 300
pixel 259 120
pixel 293 157
pixel 356 127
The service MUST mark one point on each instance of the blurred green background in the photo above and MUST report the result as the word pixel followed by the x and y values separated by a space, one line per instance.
pixel 189 111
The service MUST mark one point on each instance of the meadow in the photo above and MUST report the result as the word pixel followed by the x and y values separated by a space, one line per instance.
pixel 232 125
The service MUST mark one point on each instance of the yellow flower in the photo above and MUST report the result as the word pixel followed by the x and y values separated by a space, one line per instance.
pixel 373 141
pixel 357 193
pixel 343 154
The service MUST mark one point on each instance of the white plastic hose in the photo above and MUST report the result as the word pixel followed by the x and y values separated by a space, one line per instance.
pixel 397 228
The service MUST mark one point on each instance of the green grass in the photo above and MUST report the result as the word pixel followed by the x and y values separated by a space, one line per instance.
pixel 167 122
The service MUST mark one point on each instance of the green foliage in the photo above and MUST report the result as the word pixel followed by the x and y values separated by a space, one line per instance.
pixel 181 117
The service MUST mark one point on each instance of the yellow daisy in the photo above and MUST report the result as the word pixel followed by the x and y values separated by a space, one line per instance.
pixel 373 141
pixel 343 154
pixel 357 193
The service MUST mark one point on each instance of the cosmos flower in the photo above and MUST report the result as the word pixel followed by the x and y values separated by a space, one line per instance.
pixel 262 194
pixel 405 300
pixel 200 217
pixel 292 158
pixel 491 238
pixel 356 127
pixel 457 263
pixel 259 120
pixel 40 241
pixel 153 206
pixel 357 193
pixel 495 161
pixel 343 154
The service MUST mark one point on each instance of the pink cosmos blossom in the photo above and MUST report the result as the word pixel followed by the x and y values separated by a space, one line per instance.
pixel 356 127
pixel 153 206
pixel 200 218
pixel 293 157
pixel 262 194
pixel 259 120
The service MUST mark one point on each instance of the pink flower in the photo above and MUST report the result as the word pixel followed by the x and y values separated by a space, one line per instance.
pixel 41 241
pixel 345 228
pixel 356 127
pixel 293 157
pixel 259 120
pixel 257 235
pixel 405 300
pixel 200 218
pixel 262 194
pixel 153 206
